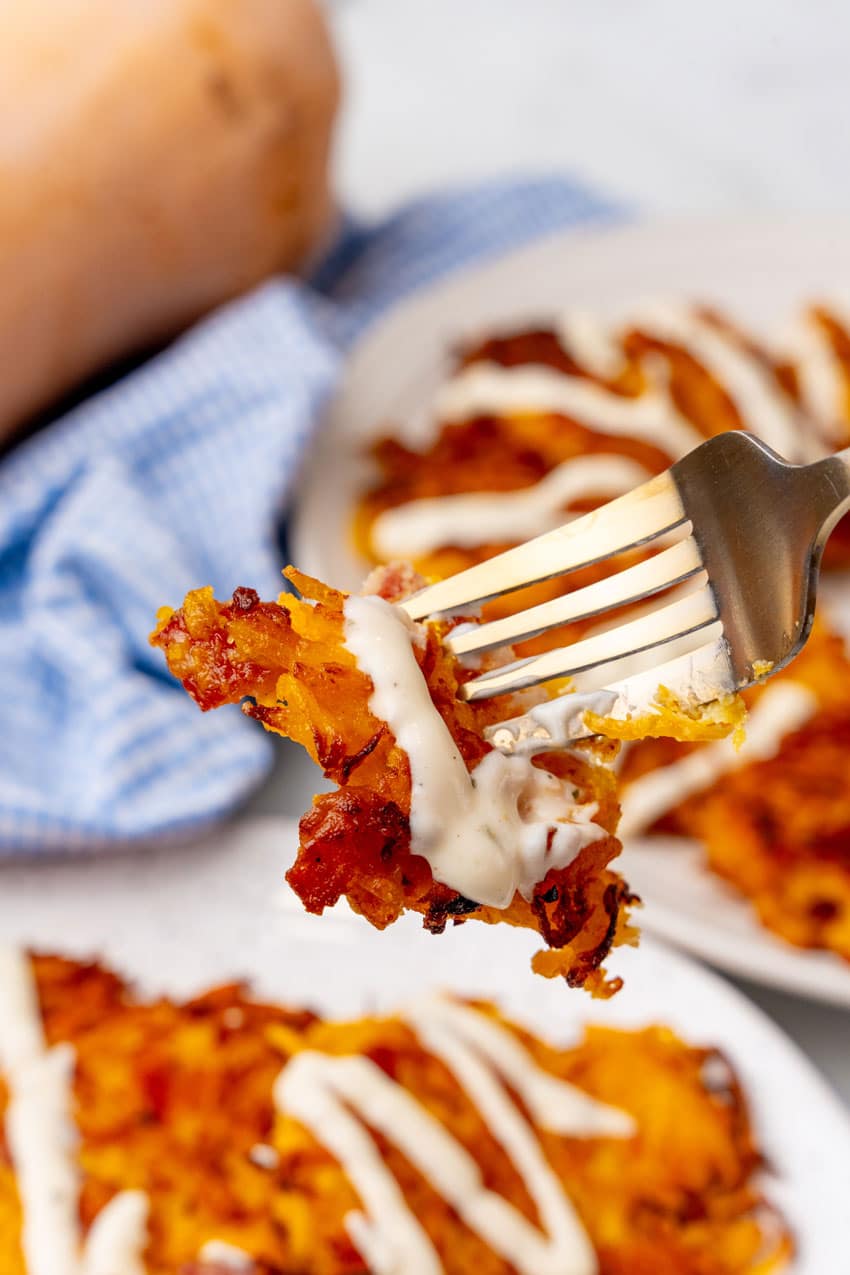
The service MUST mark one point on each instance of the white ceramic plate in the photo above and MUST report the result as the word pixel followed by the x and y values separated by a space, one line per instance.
pixel 757 269
pixel 177 922
pixel 692 907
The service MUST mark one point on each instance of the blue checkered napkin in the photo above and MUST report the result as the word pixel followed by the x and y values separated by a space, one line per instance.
pixel 174 477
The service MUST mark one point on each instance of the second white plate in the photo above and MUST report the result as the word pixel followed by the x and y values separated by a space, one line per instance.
pixel 178 919
pixel 758 269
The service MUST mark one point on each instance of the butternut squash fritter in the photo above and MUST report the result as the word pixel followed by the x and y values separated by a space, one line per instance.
pixel 170 1099
pixel 508 451
pixel 685 1200
pixel 778 829
pixel 288 662
pixel 176 1100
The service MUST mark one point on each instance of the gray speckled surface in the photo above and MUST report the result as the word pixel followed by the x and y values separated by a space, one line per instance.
pixel 678 107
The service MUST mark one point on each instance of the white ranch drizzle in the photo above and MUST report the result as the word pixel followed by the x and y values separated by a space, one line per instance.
pixel 761 404
pixel 220 1253
pixel 41 1136
pixel 337 1097
pixel 784 707
pixel 117 1237
pixel 264 1156
pixel 482 517
pixel 487 834
pixel 487 388
pixel 819 375
pixel 592 342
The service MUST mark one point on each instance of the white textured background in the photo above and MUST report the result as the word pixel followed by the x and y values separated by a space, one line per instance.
pixel 676 105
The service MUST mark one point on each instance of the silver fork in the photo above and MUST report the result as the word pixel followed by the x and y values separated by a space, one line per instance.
pixel 738 529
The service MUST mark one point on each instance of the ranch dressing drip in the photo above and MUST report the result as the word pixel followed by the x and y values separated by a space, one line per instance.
pixel 783 708
pixel 487 833
pixel 338 1097
pixel 42 1143
pixel 475 518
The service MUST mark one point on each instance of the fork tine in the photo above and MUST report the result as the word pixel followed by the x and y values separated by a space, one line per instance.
pixel 637 663
pixel 668 568
pixel 695 677
pixel 625 523
pixel 683 619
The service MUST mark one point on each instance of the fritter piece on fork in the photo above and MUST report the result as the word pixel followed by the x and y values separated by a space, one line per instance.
pixel 288 661
pixel 426 816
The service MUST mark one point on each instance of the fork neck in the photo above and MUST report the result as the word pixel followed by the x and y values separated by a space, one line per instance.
pixel 832 492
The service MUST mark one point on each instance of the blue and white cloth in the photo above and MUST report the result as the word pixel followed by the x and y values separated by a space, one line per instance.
pixel 174 477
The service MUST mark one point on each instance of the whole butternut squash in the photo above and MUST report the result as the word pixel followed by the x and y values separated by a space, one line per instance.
pixel 157 157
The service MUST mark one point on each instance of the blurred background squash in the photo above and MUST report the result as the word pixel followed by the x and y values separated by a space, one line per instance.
pixel 156 159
